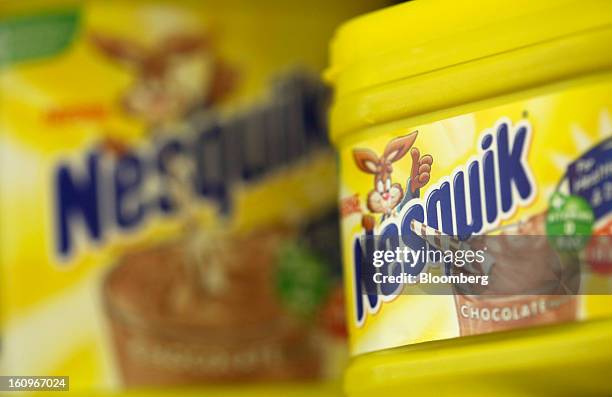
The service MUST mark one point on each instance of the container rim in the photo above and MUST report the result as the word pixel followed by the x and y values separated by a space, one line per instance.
pixel 413 44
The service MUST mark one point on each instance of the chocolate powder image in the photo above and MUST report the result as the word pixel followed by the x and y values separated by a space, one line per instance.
pixel 530 284
pixel 181 318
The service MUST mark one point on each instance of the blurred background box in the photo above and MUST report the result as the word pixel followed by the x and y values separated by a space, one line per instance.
pixel 167 193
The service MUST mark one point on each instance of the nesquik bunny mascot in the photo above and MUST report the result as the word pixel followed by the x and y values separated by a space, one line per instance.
pixel 388 198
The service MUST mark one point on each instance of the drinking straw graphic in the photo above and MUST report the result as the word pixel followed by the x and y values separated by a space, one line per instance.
pixel 444 242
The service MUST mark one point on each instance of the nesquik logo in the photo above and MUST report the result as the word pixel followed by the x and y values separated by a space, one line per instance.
pixel 388 198
pixel 474 199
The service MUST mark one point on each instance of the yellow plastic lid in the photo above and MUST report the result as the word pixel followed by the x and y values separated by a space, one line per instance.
pixel 422 37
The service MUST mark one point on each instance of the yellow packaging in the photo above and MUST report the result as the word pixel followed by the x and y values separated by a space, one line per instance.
pixel 167 193
pixel 454 121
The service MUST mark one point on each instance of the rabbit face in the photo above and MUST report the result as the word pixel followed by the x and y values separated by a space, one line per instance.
pixel 167 94
pixel 385 197
pixel 172 78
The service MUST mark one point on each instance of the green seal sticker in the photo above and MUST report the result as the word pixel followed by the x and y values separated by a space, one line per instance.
pixel 302 280
pixel 569 222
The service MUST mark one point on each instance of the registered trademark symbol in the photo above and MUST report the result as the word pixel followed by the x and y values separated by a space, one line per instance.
pixel 525 114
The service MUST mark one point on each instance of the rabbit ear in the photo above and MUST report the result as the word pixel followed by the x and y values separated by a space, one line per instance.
pixel 225 80
pixel 120 50
pixel 398 147
pixel 183 44
pixel 366 160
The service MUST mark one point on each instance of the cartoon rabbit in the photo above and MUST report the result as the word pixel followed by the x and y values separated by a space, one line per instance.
pixel 178 74
pixel 387 197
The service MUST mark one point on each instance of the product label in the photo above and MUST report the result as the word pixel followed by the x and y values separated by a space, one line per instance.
pixel 476 223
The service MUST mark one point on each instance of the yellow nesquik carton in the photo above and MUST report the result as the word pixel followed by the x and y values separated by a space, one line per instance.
pixel 167 193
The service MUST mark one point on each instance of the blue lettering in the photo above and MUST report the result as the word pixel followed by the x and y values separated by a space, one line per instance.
pixel 440 198
pixel 129 175
pixel 511 168
pixel 465 229
pixel 389 239
pixel 167 153
pixel 210 177
pixel 410 238
pixel 77 199
pixel 490 184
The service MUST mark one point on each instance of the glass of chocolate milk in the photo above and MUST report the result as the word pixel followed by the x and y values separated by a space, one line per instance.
pixel 184 317
pixel 522 292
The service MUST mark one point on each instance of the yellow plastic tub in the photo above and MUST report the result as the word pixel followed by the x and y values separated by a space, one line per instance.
pixel 474 119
